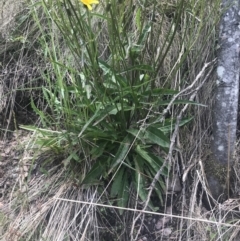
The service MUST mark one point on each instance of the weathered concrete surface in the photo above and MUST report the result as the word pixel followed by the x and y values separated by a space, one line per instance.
pixel 227 91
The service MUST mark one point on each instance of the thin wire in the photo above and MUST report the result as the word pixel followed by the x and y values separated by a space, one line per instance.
pixel 149 212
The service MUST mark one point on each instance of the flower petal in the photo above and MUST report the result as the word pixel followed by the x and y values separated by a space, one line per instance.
pixel 89 2
pixel 89 6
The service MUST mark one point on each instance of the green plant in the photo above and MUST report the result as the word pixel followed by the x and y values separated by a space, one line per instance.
pixel 105 97
pixel 107 76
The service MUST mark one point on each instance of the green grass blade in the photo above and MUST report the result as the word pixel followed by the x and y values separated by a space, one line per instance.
pixel 156 136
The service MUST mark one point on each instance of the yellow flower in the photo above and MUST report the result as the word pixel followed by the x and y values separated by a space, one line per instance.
pixel 89 2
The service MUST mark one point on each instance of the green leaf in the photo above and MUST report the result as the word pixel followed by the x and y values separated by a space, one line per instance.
pixel 72 156
pixel 169 124
pixel 117 184
pixel 98 150
pixel 122 152
pixel 176 102
pixel 143 36
pixel 138 18
pixel 142 67
pixel 136 133
pixel 151 160
pixel 123 82
pixel 159 186
pixel 28 127
pixel 156 136
pixel 105 67
pixel 166 102
pixel 53 99
pixel 156 164
pixel 111 110
pixel 98 134
pixel 43 116
pixel 143 154
pixel 140 181
pixel 108 110
pixel 100 16
pixel 89 122
pixel 123 194
pixel 96 172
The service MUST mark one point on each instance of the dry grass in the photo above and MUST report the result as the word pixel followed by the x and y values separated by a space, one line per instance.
pixel 39 210
pixel 8 11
